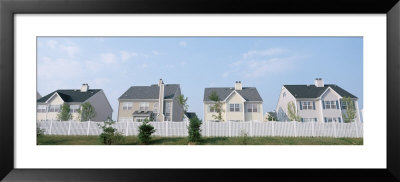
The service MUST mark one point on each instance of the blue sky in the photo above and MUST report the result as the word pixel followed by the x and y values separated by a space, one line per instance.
pixel 116 63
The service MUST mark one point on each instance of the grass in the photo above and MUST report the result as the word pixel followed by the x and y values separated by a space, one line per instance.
pixel 133 140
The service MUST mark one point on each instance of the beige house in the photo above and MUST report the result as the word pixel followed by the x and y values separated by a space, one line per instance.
pixel 238 103
pixel 49 106
pixel 318 103
pixel 156 102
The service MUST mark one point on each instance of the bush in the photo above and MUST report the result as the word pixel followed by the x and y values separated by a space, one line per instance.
pixel 145 131
pixel 194 130
pixel 110 135
pixel 39 132
pixel 244 139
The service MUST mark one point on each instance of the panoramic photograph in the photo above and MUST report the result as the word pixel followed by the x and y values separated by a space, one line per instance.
pixel 199 91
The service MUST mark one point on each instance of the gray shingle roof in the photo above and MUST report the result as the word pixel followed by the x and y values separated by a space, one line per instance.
pixel 71 95
pixel 248 93
pixel 150 92
pixel 311 91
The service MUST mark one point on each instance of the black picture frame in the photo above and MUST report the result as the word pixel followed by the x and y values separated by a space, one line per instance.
pixel 9 8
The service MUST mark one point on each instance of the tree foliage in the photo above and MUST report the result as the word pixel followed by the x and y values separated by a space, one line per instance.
pixel 292 112
pixel 183 102
pixel 110 135
pixel 350 113
pixel 145 131
pixel 194 129
pixel 64 114
pixel 271 118
pixel 217 106
pixel 87 111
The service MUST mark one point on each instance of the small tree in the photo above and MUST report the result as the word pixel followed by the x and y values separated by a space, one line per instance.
pixel 145 131
pixel 183 102
pixel 350 113
pixel 271 118
pixel 292 112
pixel 217 105
pixel 110 135
pixel 87 111
pixel 64 114
pixel 194 130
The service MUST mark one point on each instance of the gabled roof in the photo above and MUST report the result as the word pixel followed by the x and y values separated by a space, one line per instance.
pixel 311 91
pixel 71 95
pixel 150 92
pixel 248 93
pixel 190 115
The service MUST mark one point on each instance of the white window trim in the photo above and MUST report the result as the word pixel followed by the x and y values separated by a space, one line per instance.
pixel 126 106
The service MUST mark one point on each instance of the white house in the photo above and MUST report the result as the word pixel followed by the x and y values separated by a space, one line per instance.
pixel 49 106
pixel 319 102
pixel 238 103
pixel 155 102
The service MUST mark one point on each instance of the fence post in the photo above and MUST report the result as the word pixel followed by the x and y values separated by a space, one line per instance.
pixel 208 128
pixel 166 128
pixel 69 127
pixel 356 128
pixel 334 129
pixel 295 128
pixel 229 128
pixel 273 128
pixel 51 124
pixel 88 128
pixel 127 126
pixel 312 128
pixel 251 128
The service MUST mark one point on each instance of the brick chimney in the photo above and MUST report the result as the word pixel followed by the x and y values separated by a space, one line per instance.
pixel 85 87
pixel 161 100
pixel 319 82
pixel 238 85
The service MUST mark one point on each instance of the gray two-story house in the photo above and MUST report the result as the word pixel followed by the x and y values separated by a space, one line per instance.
pixel 156 102
pixel 318 103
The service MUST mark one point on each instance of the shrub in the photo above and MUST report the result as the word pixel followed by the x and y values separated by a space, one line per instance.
pixel 194 129
pixel 39 132
pixel 145 131
pixel 244 139
pixel 110 135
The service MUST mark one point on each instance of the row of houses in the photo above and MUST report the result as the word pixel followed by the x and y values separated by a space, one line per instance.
pixel 317 103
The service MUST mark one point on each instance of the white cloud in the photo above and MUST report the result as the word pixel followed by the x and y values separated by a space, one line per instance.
pixel 183 63
pixel 155 53
pixel 260 68
pixel 52 44
pixel 267 52
pixel 183 43
pixel 260 63
pixel 108 58
pixel 56 69
pixel 71 50
pixel 125 55
pixel 171 66
pixel 144 65
pixel 226 74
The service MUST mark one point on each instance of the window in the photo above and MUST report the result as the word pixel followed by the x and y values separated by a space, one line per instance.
pixel 330 119
pixel 306 105
pixel 167 117
pixel 155 110
pixel 309 120
pixel 126 105
pixel 234 107
pixel 330 104
pixel 144 106
pixel 168 107
pixel 252 107
pixel 54 108
pixel 344 105
pixel 41 108
pixel 74 108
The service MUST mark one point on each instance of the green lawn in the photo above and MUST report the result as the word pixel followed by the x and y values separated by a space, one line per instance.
pixel 133 140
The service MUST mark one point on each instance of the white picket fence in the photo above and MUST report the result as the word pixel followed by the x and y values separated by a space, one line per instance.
pixel 222 129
